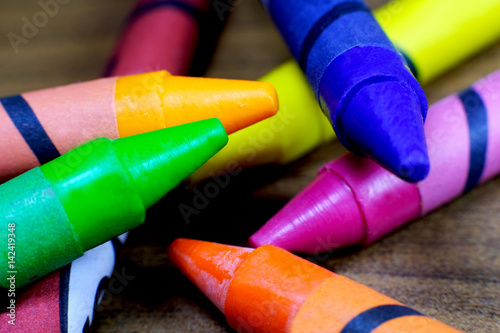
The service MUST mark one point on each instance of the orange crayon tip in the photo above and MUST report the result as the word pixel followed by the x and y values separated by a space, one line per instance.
pixel 210 266
pixel 156 100
pixel 270 290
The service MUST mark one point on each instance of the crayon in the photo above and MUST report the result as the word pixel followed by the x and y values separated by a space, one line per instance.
pixel 354 201
pixel 297 128
pixel 436 35
pixel 363 84
pixel 271 290
pixel 405 22
pixel 160 34
pixel 94 193
pixel 39 126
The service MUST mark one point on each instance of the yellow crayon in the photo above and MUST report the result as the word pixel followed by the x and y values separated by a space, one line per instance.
pixel 437 35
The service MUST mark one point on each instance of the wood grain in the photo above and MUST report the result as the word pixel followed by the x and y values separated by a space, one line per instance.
pixel 446 265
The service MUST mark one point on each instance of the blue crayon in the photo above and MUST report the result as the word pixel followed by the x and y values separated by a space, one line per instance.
pixel 364 86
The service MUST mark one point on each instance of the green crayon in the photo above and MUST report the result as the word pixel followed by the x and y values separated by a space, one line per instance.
pixel 51 214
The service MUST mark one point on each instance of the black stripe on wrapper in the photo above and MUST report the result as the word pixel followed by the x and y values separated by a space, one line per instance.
pixel 28 125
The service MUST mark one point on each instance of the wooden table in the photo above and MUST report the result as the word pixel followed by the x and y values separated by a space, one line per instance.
pixel 446 265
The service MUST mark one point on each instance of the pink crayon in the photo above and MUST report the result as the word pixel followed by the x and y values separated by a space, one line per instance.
pixel 355 201
pixel 160 34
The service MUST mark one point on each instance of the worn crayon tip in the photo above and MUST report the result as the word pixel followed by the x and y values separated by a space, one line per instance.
pixel 159 160
pixel 156 100
pixel 210 266
pixel 384 122
pixel 237 103
pixel 323 216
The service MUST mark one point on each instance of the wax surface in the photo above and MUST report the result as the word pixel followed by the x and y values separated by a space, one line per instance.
pixel 96 192
pixel 463 134
pixel 271 290
pixel 152 101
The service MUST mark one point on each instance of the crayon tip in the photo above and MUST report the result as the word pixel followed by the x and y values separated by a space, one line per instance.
pixel 384 122
pixel 323 216
pixel 210 266
pixel 151 101
pixel 159 160
pixel 237 103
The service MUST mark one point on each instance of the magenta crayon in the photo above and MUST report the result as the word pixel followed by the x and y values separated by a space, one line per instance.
pixel 363 84
pixel 160 34
pixel 355 201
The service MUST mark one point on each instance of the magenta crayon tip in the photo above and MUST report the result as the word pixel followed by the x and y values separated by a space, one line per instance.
pixel 300 227
pixel 388 130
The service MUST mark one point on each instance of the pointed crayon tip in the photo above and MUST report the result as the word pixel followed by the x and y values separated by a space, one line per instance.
pixel 321 217
pixel 210 266
pixel 237 103
pixel 176 151
pixel 392 133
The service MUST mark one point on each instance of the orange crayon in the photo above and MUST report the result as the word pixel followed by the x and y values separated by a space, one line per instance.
pixel 36 127
pixel 271 290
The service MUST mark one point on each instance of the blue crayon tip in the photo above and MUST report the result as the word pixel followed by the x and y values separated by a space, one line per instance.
pixel 384 121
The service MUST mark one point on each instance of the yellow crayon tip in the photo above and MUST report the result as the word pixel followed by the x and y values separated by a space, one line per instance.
pixel 151 101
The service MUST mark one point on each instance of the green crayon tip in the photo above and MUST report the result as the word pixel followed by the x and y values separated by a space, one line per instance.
pixel 94 193
pixel 176 153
